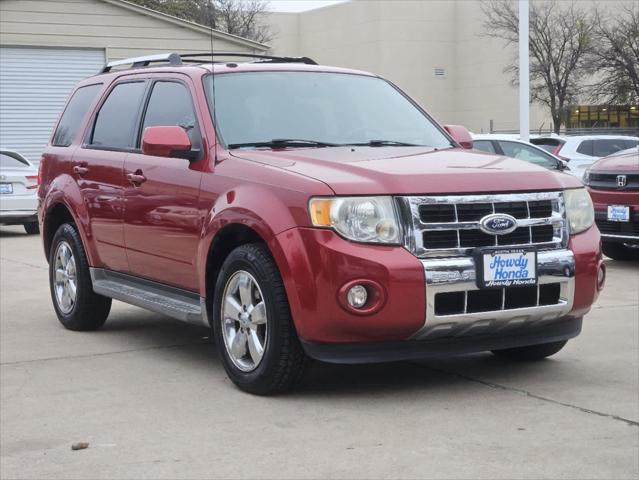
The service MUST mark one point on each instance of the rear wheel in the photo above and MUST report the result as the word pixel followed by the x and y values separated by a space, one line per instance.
pixel 77 306
pixel 252 323
pixel 32 228
pixel 532 352
pixel 619 251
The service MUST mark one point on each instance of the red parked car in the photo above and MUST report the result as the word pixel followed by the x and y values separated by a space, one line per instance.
pixel 613 183
pixel 306 211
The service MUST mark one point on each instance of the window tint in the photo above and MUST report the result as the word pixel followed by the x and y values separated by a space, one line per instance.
pixel 631 143
pixel 585 147
pixel 115 126
pixel 484 146
pixel 528 154
pixel 9 161
pixel 603 148
pixel 73 114
pixel 170 104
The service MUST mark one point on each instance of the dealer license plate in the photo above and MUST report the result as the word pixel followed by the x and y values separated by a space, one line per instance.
pixel 618 213
pixel 506 268
pixel 6 188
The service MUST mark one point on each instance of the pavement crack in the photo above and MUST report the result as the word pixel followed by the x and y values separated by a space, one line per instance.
pixel 102 354
pixel 526 393
pixel 25 264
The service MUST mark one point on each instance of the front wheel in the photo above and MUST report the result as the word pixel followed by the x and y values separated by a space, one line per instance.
pixel 619 251
pixel 532 352
pixel 77 306
pixel 252 323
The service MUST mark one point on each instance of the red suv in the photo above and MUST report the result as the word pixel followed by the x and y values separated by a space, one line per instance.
pixel 613 183
pixel 306 211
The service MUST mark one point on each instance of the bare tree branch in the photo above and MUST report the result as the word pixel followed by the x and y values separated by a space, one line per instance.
pixel 560 40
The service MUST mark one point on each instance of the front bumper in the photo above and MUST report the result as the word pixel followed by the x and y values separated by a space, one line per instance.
pixel 315 263
pixel 616 232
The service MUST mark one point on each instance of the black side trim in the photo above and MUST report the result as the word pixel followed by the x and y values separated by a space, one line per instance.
pixel 354 353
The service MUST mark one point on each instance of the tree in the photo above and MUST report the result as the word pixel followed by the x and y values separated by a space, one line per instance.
pixel 560 39
pixel 237 17
pixel 614 60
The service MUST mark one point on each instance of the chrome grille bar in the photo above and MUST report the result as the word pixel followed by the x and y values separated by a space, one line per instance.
pixel 460 230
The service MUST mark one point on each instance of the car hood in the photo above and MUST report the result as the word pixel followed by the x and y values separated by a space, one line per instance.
pixel 628 162
pixel 411 170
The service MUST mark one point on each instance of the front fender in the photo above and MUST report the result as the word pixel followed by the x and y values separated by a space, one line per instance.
pixel 265 211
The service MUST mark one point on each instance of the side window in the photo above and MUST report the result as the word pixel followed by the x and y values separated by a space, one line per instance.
pixel 603 148
pixel 170 104
pixel 73 114
pixel 115 125
pixel 585 147
pixel 631 143
pixel 528 154
pixel 484 146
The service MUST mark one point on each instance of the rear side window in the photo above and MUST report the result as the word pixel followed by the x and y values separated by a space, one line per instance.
pixel 484 146
pixel 585 147
pixel 170 104
pixel 115 125
pixel 603 148
pixel 73 114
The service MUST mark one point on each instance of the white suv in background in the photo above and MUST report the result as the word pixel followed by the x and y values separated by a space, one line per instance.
pixel 18 191
pixel 581 151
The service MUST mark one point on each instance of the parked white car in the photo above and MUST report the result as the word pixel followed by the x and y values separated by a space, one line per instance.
pixel 18 191
pixel 511 146
pixel 584 150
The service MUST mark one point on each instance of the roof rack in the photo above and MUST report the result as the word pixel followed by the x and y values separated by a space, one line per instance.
pixel 175 59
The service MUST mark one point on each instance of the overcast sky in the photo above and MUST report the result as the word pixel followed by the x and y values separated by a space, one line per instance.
pixel 299 5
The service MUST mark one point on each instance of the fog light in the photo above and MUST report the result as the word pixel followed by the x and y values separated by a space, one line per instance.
pixel 357 296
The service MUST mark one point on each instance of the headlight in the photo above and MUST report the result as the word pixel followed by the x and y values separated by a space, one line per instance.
pixel 579 210
pixel 361 219
pixel 586 176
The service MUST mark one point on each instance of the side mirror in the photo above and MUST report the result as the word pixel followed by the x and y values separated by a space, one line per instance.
pixel 461 135
pixel 171 141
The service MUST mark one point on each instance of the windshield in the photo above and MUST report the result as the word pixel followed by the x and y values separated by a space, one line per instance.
pixel 328 108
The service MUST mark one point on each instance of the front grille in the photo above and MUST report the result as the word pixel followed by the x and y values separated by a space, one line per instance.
pixel 630 228
pixel 608 181
pixel 449 225
pixel 478 301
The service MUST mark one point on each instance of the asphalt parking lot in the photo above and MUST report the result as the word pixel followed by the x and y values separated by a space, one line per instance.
pixel 153 401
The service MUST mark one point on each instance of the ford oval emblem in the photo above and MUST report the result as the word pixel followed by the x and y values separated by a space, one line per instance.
pixel 498 224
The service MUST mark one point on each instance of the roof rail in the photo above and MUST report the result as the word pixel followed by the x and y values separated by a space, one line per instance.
pixel 260 57
pixel 175 59
pixel 137 62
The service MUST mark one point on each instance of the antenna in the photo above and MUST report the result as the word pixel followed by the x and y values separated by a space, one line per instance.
pixel 213 104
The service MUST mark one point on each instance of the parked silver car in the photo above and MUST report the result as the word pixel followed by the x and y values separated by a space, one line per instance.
pixel 18 191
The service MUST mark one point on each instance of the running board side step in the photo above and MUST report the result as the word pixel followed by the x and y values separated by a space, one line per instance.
pixel 156 297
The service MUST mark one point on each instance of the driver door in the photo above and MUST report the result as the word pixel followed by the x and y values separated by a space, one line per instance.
pixel 162 221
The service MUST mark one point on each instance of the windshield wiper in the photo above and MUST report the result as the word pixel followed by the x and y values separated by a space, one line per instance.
pixel 283 142
pixel 384 143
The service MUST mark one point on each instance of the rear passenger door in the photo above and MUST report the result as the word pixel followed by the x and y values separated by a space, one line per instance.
pixel 162 220
pixel 98 167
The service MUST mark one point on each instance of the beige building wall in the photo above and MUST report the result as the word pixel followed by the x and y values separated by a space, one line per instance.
pixel 122 29
pixel 405 41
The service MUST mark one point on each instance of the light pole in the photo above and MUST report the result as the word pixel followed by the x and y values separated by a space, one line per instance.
pixel 524 72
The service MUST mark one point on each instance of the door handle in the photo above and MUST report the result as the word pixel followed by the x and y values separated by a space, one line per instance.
pixel 80 170
pixel 136 178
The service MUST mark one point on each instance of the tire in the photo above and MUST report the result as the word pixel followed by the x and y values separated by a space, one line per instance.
pixel 32 228
pixel 532 352
pixel 283 361
pixel 618 251
pixel 88 310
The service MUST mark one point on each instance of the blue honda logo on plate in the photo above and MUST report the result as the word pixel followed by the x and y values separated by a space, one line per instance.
pixel 498 224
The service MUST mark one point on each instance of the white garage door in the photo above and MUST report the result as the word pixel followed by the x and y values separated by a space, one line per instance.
pixel 34 86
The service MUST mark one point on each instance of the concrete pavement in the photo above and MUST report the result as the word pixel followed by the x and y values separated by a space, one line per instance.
pixel 153 401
